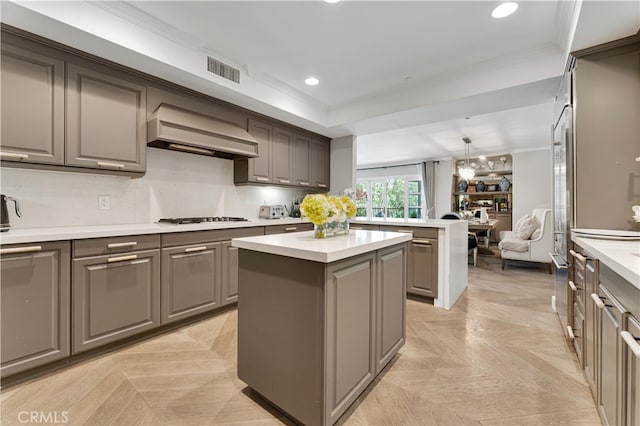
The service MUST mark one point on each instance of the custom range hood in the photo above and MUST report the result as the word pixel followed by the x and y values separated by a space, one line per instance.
pixel 178 129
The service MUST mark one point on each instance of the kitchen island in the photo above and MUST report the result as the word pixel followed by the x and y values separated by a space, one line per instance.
pixel 318 319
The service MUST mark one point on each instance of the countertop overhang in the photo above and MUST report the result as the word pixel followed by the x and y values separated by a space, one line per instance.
pixel 420 223
pixel 623 257
pixel 303 245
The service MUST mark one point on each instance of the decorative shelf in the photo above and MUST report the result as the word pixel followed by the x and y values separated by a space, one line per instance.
pixel 483 193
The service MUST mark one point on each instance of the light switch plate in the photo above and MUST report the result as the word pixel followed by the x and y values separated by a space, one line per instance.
pixel 104 202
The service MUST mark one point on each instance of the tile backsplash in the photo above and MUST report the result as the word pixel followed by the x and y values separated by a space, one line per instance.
pixel 176 184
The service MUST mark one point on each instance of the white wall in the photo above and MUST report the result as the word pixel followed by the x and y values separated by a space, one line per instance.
pixel 343 164
pixel 532 181
pixel 175 185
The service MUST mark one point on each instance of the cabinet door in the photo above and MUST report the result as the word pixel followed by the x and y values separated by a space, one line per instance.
pixel 259 168
pixel 350 332
pixel 114 297
pixel 281 150
pixel 190 280
pixel 391 301
pixel 32 110
pixel 35 314
pixel 301 157
pixel 590 287
pixel 229 273
pixel 423 267
pixel 632 392
pixel 106 121
pixel 320 164
pixel 504 224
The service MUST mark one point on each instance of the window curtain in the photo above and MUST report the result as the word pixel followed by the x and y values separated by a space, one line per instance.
pixel 428 170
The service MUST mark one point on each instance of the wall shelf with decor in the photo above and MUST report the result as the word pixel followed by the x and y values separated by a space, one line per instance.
pixel 484 190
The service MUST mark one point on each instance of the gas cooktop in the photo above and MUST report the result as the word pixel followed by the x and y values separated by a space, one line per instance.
pixel 186 220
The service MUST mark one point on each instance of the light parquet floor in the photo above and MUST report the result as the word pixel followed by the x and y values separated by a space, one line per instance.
pixel 497 358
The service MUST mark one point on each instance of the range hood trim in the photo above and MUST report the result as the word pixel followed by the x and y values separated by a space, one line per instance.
pixel 170 127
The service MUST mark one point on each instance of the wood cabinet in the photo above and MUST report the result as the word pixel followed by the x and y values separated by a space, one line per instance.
pixel 35 315
pixel 32 110
pixel 106 121
pixel 257 169
pixel 282 148
pixel 313 336
pixel 301 157
pixel 320 153
pixel 115 295
pixel 283 229
pixel 229 269
pixel 191 276
pixel 363 226
pixel 632 367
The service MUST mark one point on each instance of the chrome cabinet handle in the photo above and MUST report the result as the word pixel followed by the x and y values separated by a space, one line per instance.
pixel 21 250
pixel 110 165
pixel 573 286
pixel 14 155
pixel 570 331
pixel 193 249
pixel 290 229
pixel 578 256
pixel 303 183
pixel 119 245
pixel 262 179
pixel 632 342
pixel 322 185
pixel 596 299
pixel 122 258
pixel 421 242
pixel 284 180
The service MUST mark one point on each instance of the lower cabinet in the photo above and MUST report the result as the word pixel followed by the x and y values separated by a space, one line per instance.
pixel 632 389
pixel 229 273
pixel 35 290
pixel 114 296
pixel 283 229
pixel 191 277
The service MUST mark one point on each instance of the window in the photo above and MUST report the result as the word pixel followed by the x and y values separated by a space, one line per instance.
pixel 395 197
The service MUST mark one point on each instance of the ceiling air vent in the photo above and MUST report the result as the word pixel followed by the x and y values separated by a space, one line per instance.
pixel 223 70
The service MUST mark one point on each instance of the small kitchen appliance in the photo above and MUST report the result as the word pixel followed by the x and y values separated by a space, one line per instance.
pixel 4 211
pixel 276 211
pixel 295 208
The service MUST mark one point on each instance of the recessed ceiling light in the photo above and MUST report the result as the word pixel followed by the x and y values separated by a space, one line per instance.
pixel 312 81
pixel 504 10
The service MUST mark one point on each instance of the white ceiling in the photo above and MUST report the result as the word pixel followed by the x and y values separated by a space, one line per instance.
pixel 400 75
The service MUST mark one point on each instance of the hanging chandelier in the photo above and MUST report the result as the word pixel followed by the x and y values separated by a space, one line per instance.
pixel 466 171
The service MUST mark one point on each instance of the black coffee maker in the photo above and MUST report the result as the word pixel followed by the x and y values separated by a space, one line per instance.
pixel 4 211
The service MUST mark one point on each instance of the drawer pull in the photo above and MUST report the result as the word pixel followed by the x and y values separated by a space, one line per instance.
pixel 404 231
pixel 578 256
pixel 421 242
pixel 122 258
pixel 303 183
pixel 596 299
pixel 284 180
pixel 110 165
pixel 632 342
pixel 262 179
pixel 192 249
pixel 570 332
pixel 573 286
pixel 120 245
pixel 21 250
pixel 290 229
pixel 322 185
pixel 14 155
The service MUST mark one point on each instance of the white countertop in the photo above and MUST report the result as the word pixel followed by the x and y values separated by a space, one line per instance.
pixel 303 245
pixel 623 257
pixel 422 223
pixel 34 235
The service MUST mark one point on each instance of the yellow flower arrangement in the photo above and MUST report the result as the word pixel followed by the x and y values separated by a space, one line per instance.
pixel 325 208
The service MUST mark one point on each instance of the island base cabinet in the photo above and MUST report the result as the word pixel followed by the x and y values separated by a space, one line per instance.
pixel 35 281
pixel 114 296
pixel 190 280
pixel 423 267
pixel 313 336
pixel 229 274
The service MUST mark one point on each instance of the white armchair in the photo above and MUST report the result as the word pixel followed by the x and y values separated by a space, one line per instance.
pixel 535 249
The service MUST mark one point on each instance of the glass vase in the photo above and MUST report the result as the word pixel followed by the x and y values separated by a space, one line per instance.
pixel 320 231
pixel 331 229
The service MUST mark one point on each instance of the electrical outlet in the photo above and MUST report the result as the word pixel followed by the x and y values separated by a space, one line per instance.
pixel 104 202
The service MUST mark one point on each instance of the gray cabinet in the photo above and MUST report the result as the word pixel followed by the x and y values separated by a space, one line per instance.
pixel 283 229
pixel 35 314
pixel 259 169
pixel 320 164
pixel 282 147
pixel 190 282
pixel 32 111
pixel 106 121
pixel 301 157
pixel 229 274
pixel 115 295
pixel 632 367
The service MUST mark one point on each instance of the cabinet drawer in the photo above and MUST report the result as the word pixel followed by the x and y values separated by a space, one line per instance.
pixel 111 245
pixel 365 226
pixel 282 229
pixel 199 237
pixel 417 232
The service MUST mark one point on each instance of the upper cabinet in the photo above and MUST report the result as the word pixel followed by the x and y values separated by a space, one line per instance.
pixel 104 116
pixel 106 121
pixel 285 158
pixel 32 113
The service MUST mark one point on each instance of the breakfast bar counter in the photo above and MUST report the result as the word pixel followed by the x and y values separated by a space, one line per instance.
pixel 318 319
